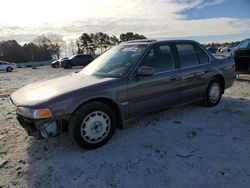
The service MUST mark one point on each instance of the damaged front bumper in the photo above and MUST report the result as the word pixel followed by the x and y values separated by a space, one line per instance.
pixel 40 122
pixel 39 128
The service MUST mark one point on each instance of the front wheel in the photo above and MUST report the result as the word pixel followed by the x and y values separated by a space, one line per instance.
pixel 92 125
pixel 213 93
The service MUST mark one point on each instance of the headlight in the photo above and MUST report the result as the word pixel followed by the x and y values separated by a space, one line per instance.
pixel 34 113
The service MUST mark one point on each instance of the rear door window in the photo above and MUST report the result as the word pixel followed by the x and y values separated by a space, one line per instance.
pixel 187 55
pixel 203 57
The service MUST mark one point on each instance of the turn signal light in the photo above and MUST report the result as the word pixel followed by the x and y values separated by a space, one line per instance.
pixel 43 113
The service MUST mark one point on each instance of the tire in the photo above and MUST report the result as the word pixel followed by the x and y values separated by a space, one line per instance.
pixel 68 66
pixel 9 69
pixel 92 125
pixel 213 93
pixel 54 66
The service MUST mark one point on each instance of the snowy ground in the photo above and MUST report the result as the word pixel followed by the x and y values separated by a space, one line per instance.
pixel 188 146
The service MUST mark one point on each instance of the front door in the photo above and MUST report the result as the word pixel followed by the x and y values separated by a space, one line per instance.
pixel 162 90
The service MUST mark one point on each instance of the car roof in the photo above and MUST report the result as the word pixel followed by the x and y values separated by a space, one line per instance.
pixel 154 41
pixel 5 62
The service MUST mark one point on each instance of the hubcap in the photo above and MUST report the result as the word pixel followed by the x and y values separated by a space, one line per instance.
pixel 214 92
pixel 95 127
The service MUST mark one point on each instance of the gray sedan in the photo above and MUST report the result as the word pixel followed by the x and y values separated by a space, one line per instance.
pixel 130 80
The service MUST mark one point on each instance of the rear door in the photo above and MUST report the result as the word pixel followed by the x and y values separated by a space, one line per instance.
pixel 89 58
pixel 148 94
pixel 194 64
pixel 83 60
pixel 80 60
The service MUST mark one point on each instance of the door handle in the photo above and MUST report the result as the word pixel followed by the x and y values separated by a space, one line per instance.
pixel 173 78
pixel 188 76
pixel 207 71
pixel 201 73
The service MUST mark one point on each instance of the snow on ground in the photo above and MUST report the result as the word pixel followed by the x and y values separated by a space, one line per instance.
pixel 188 146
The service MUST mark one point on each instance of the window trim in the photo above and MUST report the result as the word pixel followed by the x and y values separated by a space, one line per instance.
pixel 131 73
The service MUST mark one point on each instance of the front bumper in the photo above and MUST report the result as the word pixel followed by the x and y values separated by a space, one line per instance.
pixel 29 125
pixel 39 128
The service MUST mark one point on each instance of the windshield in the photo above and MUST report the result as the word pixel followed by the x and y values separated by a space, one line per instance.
pixel 245 44
pixel 116 61
pixel 72 57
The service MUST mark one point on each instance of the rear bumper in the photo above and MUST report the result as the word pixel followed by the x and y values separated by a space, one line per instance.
pixel 229 80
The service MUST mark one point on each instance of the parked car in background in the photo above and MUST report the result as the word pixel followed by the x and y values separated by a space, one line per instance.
pixel 56 63
pixel 76 60
pixel 242 56
pixel 130 80
pixel 224 49
pixel 7 66
pixel 232 48
pixel 212 50
pixel 219 48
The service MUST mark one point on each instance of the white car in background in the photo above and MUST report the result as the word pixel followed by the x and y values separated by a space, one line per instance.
pixel 6 66
pixel 224 49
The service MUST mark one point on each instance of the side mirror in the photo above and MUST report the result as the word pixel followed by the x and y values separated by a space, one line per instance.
pixel 145 71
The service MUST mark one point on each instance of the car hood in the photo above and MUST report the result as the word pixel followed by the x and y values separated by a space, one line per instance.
pixel 43 91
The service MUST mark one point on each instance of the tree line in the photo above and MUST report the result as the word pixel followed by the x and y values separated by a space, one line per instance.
pixel 47 47
pixel 44 47
pixel 90 43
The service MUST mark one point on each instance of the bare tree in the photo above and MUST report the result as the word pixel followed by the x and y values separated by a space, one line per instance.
pixel 72 46
pixel 44 43
pixel 57 44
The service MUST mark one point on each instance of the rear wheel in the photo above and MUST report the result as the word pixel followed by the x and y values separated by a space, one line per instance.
pixel 92 125
pixel 213 93
pixel 9 69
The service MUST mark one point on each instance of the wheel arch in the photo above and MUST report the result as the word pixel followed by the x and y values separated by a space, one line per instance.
pixel 109 102
pixel 9 67
pixel 222 79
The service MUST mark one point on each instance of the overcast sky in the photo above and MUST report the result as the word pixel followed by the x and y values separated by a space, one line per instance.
pixel 203 20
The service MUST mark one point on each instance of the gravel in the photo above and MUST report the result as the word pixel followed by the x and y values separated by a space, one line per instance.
pixel 187 146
